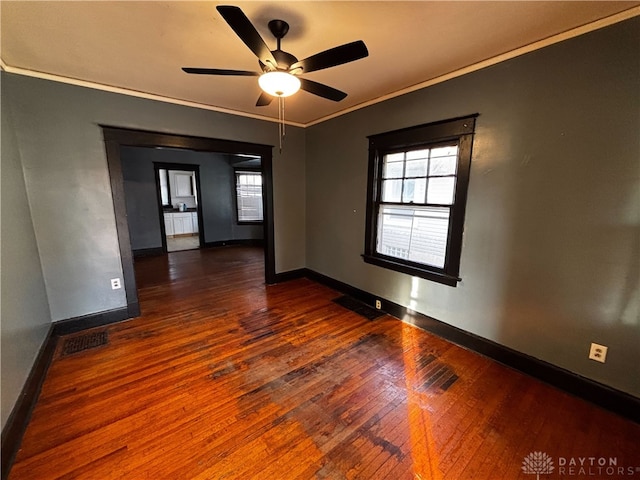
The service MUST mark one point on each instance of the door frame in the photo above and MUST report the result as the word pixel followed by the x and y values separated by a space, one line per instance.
pixel 116 137
pixel 186 168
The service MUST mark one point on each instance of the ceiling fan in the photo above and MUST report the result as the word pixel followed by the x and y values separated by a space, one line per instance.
pixel 280 76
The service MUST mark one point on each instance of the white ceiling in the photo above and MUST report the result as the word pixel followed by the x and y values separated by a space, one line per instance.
pixel 141 46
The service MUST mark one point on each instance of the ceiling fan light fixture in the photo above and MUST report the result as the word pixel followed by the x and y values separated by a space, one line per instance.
pixel 279 84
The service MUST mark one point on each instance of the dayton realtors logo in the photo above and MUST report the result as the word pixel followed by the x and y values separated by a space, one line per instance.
pixel 539 463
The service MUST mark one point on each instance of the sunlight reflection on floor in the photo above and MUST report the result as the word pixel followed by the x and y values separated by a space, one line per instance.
pixel 423 448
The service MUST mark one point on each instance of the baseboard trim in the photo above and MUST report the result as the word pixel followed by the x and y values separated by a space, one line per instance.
pixel 150 252
pixel 345 288
pixel 18 420
pixel 77 324
pixel 252 242
pixel 147 252
pixel 290 275
pixel 133 310
pixel 594 392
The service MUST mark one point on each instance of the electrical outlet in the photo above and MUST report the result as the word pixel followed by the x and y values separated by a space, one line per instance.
pixel 598 353
pixel 378 304
pixel 115 283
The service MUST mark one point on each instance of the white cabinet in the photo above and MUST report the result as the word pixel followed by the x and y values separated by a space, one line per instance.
pixel 182 223
pixel 194 221
pixel 168 223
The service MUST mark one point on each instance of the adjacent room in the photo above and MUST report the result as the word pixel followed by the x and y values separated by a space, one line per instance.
pixel 320 240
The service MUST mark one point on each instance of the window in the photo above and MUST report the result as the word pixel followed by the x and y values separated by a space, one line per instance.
pixel 418 181
pixel 165 193
pixel 184 184
pixel 249 196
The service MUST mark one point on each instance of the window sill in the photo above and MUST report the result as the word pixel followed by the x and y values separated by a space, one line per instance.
pixel 411 270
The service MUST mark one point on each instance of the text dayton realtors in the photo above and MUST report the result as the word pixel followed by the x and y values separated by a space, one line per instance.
pixel 592 466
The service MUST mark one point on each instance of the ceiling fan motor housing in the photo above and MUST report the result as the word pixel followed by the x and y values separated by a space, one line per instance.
pixel 284 59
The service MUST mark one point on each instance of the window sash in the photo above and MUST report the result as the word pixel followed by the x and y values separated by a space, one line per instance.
pixel 425 175
pixel 414 233
pixel 249 197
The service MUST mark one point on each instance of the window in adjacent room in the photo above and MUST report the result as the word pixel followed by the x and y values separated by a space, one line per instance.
pixel 165 192
pixel 417 187
pixel 249 196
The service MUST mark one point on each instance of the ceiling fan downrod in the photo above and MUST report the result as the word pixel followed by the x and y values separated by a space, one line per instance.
pixel 278 29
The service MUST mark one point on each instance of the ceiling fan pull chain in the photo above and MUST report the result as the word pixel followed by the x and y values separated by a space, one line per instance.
pixel 284 126
pixel 280 121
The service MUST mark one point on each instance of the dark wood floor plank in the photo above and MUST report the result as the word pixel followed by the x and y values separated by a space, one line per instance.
pixel 223 377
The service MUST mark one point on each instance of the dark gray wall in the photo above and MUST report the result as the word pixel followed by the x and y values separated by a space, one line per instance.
pixel 550 257
pixel 217 191
pixel 59 136
pixel 141 201
pixel 25 310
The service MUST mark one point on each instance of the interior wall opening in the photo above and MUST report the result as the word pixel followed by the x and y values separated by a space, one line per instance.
pixel 212 231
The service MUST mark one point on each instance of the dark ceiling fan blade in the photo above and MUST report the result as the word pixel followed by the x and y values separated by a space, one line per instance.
pixel 322 90
pixel 219 71
pixel 334 56
pixel 243 27
pixel 264 99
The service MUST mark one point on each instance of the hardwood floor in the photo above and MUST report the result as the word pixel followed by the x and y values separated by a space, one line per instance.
pixel 224 378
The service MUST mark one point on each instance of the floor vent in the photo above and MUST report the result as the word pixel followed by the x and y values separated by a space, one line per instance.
pixel 358 307
pixel 84 342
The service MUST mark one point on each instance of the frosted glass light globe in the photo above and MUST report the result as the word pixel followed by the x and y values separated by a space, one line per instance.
pixel 279 84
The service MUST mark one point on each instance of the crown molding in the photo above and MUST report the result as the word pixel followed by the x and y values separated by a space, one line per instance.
pixel 135 93
pixel 560 37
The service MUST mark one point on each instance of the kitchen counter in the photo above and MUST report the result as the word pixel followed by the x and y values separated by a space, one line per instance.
pixel 176 210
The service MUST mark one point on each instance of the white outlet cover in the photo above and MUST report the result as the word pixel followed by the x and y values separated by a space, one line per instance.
pixel 598 353
pixel 115 283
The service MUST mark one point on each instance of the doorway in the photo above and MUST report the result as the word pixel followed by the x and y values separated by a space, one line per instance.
pixel 115 138
pixel 180 206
